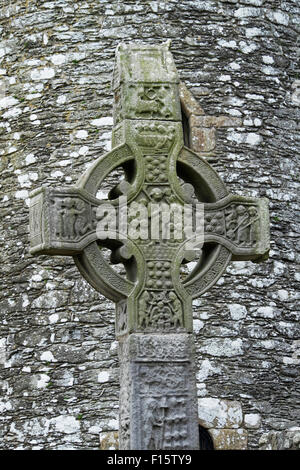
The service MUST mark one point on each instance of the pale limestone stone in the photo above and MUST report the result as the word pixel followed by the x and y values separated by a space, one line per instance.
pixel 279 268
pixel 41 381
pixel 231 44
pixel 268 70
pixel 222 347
pixel 83 150
pixel 253 139
pixel 217 413
pixel 58 59
pixel 45 39
pixel 2 350
pixel 283 295
pixel 234 66
pixel 104 121
pixel 23 194
pixel 61 99
pixel 295 96
pixel 252 420
pixel 257 122
pixel 197 326
pixel 45 73
pixel 206 369
pixel 278 17
pixel 7 102
pixel 267 59
pixel 56 174
pixel 265 312
pixel 65 162
pixel 103 377
pixel 245 12
pixel 237 311
pixel 225 78
pixel 65 424
pixel 12 113
pixel 48 356
pixel 30 158
pixel 81 134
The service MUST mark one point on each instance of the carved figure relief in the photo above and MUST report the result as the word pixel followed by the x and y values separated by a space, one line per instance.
pixel 70 209
pixel 163 218
pixel 151 102
pixel 70 219
pixel 176 309
pixel 166 423
pixel 254 223
pixel 214 222
pixel 143 320
pixel 154 135
pixel 154 424
pixel 160 311
pixel 156 377
pixel 165 420
pixel 241 224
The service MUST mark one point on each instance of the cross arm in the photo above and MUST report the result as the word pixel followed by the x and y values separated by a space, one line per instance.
pixel 241 224
pixel 62 221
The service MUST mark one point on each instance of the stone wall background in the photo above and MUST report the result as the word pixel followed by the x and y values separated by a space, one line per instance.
pixel 58 354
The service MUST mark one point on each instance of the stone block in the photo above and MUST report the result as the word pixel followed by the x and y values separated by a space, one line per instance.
pixel 214 121
pixel 202 139
pixel 109 440
pixel 188 102
pixel 252 420
pixel 229 439
pixel 216 413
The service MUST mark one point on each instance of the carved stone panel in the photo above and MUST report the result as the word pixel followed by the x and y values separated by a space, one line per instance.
pixel 162 392
pixel 147 101
pixel 160 310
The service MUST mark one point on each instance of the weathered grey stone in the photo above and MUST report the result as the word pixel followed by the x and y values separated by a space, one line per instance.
pixel 252 421
pixel 281 440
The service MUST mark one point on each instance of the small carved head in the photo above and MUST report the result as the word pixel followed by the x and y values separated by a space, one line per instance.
pixel 252 211
pixel 241 210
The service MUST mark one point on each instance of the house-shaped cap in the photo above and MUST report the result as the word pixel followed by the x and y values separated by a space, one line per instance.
pixel 137 63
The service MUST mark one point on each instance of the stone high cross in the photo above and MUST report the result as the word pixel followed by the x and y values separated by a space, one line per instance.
pixel 158 404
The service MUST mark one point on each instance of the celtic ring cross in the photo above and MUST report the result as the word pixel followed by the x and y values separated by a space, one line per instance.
pixel 153 300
